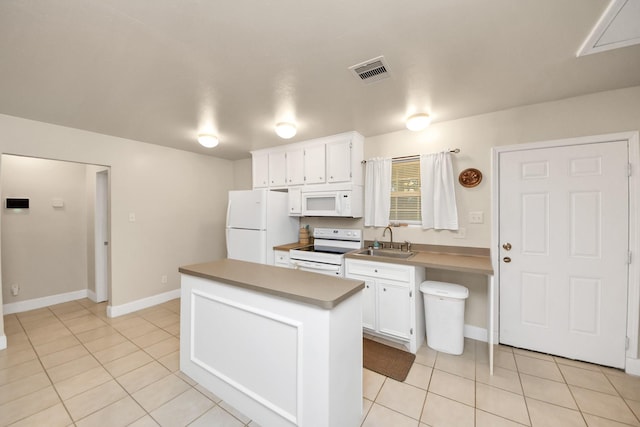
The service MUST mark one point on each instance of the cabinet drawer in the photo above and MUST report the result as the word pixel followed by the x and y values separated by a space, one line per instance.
pixel 281 258
pixel 397 272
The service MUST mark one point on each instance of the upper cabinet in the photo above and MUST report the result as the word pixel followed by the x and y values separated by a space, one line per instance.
pixel 333 159
pixel 314 164
pixel 295 166
pixel 277 169
pixel 260 169
pixel 339 160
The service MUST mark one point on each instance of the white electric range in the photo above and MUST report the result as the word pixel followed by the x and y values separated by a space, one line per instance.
pixel 326 256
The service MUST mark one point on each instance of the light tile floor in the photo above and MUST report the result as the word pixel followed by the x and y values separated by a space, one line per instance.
pixel 71 365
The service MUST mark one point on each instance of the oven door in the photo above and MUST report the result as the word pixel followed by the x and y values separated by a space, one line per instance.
pixel 317 267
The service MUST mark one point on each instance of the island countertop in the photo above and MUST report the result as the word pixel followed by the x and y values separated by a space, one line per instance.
pixel 320 290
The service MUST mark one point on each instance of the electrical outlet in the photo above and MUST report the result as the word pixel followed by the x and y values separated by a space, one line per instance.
pixel 163 279
pixel 132 217
pixel 15 289
pixel 460 234
pixel 476 217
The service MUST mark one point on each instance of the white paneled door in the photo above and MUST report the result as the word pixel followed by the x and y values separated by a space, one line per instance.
pixel 564 250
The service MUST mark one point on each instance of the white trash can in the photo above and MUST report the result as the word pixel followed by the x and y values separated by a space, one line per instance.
pixel 444 315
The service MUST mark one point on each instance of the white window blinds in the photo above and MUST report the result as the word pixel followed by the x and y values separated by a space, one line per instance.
pixel 405 191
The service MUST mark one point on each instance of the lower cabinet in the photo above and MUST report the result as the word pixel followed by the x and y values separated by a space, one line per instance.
pixel 392 304
pixel 281 259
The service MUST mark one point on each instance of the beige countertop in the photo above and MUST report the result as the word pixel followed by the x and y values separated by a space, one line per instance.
pixel 442 261
pixel 310 288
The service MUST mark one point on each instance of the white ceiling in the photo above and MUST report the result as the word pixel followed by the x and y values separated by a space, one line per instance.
pixel 161 71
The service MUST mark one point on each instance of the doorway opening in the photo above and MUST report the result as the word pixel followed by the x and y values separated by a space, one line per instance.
pixel 57 250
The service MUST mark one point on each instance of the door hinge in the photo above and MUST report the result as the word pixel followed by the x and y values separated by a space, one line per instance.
pixel 629 257
pixel 411 331
pixel 628 169
pixel 410 294
pixel 351 145
pixel 626 343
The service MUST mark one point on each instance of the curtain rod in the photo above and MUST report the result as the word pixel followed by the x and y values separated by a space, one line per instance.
pixel 451 150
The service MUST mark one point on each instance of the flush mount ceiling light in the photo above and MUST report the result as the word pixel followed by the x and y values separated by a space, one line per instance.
pixel 208 140
pixel 418 122
pixel 286 130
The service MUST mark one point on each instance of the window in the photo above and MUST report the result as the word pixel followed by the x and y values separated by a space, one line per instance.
pixel 405 191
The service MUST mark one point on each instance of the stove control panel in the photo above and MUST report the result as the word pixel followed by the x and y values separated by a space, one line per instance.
pixel 337 234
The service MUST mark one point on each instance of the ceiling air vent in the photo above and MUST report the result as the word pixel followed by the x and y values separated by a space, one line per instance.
pixel 371 71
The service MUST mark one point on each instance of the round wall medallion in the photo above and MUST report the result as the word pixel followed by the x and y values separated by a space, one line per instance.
pixel 470 177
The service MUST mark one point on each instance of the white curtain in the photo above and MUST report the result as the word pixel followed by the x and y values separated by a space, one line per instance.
pixel 438 194
pixel 377 192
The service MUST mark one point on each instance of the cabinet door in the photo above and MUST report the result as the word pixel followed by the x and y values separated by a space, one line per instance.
pixel 394 309
pixel 295 167
pixel 281 259
pixel 277 169
pixel 339 161
pixel 260 170
pixel 295 202
pixel 369 304
pixel 314 164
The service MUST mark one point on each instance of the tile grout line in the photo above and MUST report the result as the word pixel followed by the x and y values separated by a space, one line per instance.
pixel 61 401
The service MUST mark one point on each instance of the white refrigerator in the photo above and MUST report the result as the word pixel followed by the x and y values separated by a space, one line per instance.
pixel 258 220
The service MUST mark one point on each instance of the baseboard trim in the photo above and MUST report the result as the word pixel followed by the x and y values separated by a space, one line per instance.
pixel 92 296
pixel 476 333
pixel 632 366
pixel 3 342
pixel 130 307
pixel 32 304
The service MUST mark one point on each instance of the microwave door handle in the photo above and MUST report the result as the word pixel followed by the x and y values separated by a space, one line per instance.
pixel 339 203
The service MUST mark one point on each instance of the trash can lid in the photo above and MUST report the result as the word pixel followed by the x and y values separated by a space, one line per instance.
pixel 449 290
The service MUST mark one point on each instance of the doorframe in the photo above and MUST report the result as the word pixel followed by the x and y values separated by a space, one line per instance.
pixel 101 222
pixel 632 364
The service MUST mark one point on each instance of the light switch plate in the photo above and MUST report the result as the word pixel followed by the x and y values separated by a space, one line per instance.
pixel 476 217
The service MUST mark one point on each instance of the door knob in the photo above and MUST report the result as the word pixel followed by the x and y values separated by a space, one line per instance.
pixel 506 259
pixel 506 246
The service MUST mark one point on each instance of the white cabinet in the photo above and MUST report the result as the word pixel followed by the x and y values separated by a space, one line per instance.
pixel 295 166
pixel 339 161
pixel 369 304
pixel 277 169
pixel 392 304
pixel 335 159
pixel 281 259
pixel 314 164
pixel 260 170
pixel 295 201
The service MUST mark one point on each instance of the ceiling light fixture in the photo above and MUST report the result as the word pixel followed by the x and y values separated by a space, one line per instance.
pixel 286 130
pixel 418 122
pixel 208 140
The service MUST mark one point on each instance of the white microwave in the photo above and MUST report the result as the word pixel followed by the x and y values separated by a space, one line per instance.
pixel 344 203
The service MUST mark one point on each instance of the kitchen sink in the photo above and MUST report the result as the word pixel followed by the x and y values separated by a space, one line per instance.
pixel 387 253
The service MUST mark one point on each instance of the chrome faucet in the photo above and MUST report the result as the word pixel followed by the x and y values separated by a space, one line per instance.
pixel 390 234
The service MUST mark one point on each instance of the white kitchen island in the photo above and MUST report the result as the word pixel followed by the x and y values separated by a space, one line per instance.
pixel 282 346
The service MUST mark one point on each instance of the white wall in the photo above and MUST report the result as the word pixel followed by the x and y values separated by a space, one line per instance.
pixel 600 113
pixel 43 247
pixel 178 198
